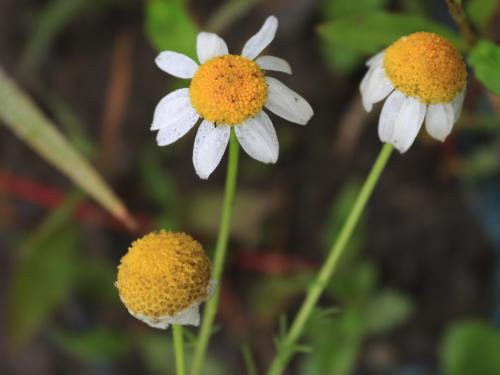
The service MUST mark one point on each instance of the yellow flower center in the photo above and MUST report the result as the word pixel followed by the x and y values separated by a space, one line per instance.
pixel 228 89
pixel 162 274
pixel 426 66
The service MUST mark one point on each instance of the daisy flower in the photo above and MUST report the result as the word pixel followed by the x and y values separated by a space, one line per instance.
pixel 227 91
pixel 423 76
pixel 163 279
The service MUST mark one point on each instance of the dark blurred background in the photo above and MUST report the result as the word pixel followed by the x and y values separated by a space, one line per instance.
pixel 418 291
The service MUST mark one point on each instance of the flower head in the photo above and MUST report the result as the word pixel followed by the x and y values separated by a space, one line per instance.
pixel 227 91
pixel 163 278
pixel 425 77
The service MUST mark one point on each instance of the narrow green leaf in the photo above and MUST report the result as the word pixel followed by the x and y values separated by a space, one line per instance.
pixel 371 32
pixel 169 26
pixel 23 117
pixel 485 60
pixel 228 12
pixel 470 347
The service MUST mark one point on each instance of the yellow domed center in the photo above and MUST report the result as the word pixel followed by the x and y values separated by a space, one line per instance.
pixel 162 274
pixel 426 66
pixel 228 89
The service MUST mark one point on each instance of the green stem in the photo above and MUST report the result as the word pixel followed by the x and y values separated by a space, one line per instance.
pixel 459 17
pixel 219 256
pixel 180 363
pixel 285 350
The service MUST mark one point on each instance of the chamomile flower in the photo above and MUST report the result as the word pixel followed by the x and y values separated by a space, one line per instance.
pixel 424 77
pixel 227 91
pixel 163 279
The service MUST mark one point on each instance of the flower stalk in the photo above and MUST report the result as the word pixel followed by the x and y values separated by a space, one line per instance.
pixel 219 255
pixel 285 350
pixel 180 363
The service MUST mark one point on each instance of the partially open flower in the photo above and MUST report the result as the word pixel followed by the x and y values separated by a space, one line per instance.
pixel 163 279
pixel 425 78
pixel 227 91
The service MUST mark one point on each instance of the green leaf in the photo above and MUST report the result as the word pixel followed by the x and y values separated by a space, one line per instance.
pixel 387 310
pixel 169 26
pixel 371 32
pixel 25 119
pixel 341 8
pixel 96 345
pixel 485 60
pixel 471 347
pixel 44 274
pixel 228 12
pixel 336 344
pixel 481 11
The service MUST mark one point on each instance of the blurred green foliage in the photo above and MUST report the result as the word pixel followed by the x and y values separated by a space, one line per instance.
pixel 170 27
pixel 471 347
pixel 485 60
pixel 44 275
pixel 364 310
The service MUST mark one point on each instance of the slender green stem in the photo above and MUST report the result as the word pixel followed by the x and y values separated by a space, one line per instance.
pixel 180 363
pixel 285 350
pixel 219 256
pixel 459 17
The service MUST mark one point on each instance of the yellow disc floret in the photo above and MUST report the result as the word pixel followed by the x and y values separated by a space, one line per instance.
pixel 426 66
pixel 162 274
pixel 228 89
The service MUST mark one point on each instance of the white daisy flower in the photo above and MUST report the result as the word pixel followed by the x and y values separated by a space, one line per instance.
pixel 163 279
pixel 423 77
pixel 227 91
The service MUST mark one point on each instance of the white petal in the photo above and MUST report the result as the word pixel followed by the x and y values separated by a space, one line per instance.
pixel 407 124
pixel 258 138
pixel 390 110
pixel 274 63
pixel 209 146
pixel 174 116
pixel 439 120
pixel 377 59
pixel 176 64
pixel 457 104
pixel 209 45
pixel 189 316
pixel 376 87
pixel 287 103
pixel 169 107
pixel 261 40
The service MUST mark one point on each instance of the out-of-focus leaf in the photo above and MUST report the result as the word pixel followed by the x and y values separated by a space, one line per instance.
pixel 96 279
pixel 44 274
pixel 96 345
pixel 336 344
pixel 471 347
pixel 345 59
pixel 483 162
pixel 157 183
pixel 228 12
pixel 24 118
pixel 481 11
pixel 170 27
pixel 387 310
pixel 485 60
pixel 56 15
pixel 157 351
pixel 249 210
pixel 355 281
pixel 371 32
pixel 340 209
pixel 341 8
